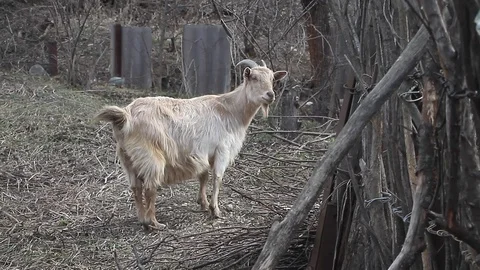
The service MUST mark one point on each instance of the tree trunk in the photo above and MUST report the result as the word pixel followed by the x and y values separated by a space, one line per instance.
pixel 251 24
pixel 318 39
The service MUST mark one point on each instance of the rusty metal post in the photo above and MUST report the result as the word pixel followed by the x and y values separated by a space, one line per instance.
pixel 136 57
pixel 206 59
pixel 52 52
pixel 116 45
pixel 325 246
pixel 321 256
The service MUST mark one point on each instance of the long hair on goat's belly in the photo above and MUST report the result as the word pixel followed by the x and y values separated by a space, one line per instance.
pixel 188 168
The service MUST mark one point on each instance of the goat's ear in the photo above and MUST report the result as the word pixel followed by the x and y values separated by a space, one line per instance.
pixel 278 75
pixel 247 73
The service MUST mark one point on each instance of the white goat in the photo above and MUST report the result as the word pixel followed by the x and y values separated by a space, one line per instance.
pixel 163 141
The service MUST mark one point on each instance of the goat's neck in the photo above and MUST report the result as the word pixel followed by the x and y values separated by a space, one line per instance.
pixel 240 108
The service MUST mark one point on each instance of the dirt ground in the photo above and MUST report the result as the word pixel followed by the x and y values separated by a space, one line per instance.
pixel 65 203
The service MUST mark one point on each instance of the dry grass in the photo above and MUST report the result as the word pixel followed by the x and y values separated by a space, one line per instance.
pixel 64 202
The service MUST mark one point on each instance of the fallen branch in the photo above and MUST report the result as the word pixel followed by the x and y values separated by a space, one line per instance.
pixel 289 141
pixel 115 258
pixel 230 266
pixel 217 230
pixel 138 258
pixel 291 161
pixel 282 232
pixel 255 200
pixel 229 254
pixel 291 131
pixel 304 116
pixel 154 249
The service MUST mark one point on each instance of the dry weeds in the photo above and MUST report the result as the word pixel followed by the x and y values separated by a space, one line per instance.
pixel 66 205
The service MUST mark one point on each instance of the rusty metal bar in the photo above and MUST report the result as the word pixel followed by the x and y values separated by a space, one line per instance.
pixel 322 258
pixel 116 42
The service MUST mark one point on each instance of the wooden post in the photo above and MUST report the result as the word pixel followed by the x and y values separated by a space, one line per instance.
pixel 51 47
pixel 206 59
pixel 290 122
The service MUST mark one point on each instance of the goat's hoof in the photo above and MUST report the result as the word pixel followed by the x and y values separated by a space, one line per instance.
pixel 158 226
pixel 216 213
pixel 204 207
pixel 153 225
pixel 142 219
pixel 203 204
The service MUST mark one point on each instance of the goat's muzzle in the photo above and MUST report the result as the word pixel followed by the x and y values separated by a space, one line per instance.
pixel 269 98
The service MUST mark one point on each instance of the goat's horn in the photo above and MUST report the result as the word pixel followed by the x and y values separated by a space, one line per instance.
pixel 263 63
pixel 247 62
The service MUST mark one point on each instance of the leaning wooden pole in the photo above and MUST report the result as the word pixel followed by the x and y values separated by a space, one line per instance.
pixel 282 232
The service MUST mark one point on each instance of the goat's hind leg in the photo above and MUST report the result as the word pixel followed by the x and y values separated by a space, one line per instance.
pixel 149 167
pixel 135 183
pixel 150 219
pixel 137 189
pixel 151 181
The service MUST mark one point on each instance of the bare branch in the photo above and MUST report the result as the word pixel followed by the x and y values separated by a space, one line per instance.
pixel 255 200
pixel 138 258
pixel 457 231
pixel 365 218
pixel 447 53
pixel 414 242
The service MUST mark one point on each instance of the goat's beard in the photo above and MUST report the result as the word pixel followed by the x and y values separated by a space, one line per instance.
pixel 265 108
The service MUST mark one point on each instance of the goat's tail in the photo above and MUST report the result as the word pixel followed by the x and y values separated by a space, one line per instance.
pixel 117 116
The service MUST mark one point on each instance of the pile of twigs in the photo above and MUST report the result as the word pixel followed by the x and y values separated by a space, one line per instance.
pixel 64 202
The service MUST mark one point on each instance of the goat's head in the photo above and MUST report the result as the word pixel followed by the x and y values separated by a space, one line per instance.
pixel 258 82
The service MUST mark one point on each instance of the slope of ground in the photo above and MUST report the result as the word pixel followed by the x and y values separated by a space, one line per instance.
pixel 64 202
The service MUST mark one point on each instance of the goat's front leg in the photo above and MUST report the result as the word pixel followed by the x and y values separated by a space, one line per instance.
pixel 202 193
pixel 214 208
pixel 219 167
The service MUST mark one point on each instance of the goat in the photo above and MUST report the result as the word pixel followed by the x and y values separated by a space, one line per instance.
pixel 163 141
